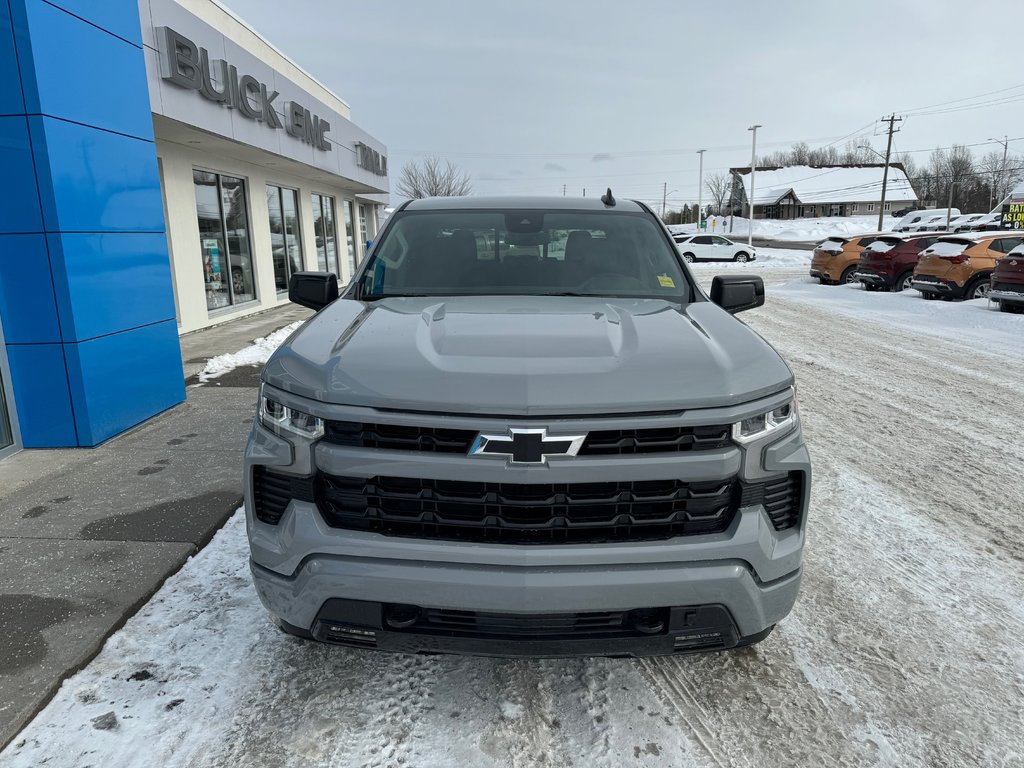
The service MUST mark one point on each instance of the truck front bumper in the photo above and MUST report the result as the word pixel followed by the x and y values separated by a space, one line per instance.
pixel 702 606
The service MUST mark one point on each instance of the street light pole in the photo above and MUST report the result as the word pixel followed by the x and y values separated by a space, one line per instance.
pixel 700 187
pixel 949 205
pixel 1005 141
pixel 753 169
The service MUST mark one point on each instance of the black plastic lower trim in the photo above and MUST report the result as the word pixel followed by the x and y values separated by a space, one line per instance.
pixel 644 631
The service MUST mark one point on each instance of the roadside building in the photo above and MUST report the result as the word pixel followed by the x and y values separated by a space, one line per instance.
pixel 804 191
pixel 168 169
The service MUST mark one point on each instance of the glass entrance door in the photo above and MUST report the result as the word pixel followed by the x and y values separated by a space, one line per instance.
pixel 6 433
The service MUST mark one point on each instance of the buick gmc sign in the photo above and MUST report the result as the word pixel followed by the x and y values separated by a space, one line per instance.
pixel 186 64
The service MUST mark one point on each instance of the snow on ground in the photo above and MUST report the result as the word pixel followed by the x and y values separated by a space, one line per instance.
pixel 977 322
pixel 805 230
pixel 903 649
pixel 256 354
pixel 767 258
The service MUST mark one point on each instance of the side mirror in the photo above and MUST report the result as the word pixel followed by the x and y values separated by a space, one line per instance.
pixel 313 289
pixel 735 293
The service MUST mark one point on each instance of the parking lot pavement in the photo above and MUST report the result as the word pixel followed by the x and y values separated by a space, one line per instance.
pixel 903 650
pixel 89 535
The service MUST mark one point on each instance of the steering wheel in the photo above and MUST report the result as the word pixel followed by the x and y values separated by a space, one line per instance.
pixel 617 281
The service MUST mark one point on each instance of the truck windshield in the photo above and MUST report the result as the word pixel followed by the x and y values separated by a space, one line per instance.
pixel 526 252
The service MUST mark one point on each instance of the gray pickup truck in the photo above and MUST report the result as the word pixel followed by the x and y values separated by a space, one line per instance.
pixel 525 430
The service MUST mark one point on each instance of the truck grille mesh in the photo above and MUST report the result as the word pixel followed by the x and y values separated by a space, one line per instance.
pixel 527 514
pixel 614 442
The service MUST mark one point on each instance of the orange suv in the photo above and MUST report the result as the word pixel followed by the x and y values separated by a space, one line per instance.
pixel 960 266
pixel 835 259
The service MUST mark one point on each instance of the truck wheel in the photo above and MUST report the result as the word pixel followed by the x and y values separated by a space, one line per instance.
pixel 903 282
pixel 848 276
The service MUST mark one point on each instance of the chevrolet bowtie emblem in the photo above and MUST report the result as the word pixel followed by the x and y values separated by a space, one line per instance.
pixel 526 446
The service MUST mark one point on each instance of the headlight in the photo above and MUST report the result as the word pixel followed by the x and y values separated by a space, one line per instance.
pixel 764 424
pixel 285 421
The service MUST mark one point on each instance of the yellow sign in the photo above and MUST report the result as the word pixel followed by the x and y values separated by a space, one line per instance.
pixel 666 281
pixel 1013 215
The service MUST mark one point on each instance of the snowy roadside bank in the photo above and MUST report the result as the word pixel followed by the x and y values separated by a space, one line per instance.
pixel 255 354
pixel 789 229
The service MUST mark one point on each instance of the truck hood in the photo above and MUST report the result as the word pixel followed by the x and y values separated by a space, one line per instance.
pixel 516 355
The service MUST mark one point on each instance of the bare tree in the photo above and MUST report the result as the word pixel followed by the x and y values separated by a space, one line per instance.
pixel 719 185
pixel 433 178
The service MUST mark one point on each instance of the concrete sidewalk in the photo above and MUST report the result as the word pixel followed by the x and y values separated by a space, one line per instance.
pixel 90 534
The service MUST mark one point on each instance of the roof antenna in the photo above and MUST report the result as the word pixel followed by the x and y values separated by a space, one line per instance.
pixel 607 198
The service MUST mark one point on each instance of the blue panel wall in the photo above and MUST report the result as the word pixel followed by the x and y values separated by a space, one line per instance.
pixel 107 383
pixel 85 283
pixel 39 380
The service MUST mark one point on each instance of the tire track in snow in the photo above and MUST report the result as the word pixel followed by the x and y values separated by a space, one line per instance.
pixel 403 698
pixel 667 678
pixel 596 675
pixel 527 713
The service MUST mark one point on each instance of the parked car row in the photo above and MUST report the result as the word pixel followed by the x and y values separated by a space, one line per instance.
pixel 947 220
pixel 964 265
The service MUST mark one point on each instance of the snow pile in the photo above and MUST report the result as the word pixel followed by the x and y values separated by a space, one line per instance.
pixel 792 230
pixel 767 258
pixel 256 354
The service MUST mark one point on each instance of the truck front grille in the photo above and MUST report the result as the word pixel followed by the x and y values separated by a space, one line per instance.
pixel 606 442
pixel 511 513
pixel 535 626
pixel 616 442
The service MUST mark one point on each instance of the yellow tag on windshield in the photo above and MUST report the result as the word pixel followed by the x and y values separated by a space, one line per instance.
pixel 666 281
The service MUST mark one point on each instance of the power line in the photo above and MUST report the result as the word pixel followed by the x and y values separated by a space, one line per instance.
pixel 965 98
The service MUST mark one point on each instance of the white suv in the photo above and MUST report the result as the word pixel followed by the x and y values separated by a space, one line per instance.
pixel 712 248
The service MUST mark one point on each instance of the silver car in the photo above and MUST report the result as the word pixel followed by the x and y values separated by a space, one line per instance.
pixel 525 430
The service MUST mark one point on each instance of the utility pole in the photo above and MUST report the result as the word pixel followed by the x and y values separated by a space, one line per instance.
pixel 753 169
pixel 664 194
pixel 892 120
pixel 700 187
pixel 563 190
pixel 584 191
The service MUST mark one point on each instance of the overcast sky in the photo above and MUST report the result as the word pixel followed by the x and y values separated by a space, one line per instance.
pixel 531 95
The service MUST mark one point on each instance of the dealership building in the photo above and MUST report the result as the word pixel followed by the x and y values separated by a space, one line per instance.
pixel 167 169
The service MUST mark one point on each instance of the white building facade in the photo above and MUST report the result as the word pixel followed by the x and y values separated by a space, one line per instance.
pixel 263 172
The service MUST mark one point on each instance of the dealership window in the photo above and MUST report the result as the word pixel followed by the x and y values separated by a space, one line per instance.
pixel 224 239
pixel 888 206
pixel 351 238
pixel 285 240
pixel 871 207
pixel 324 226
